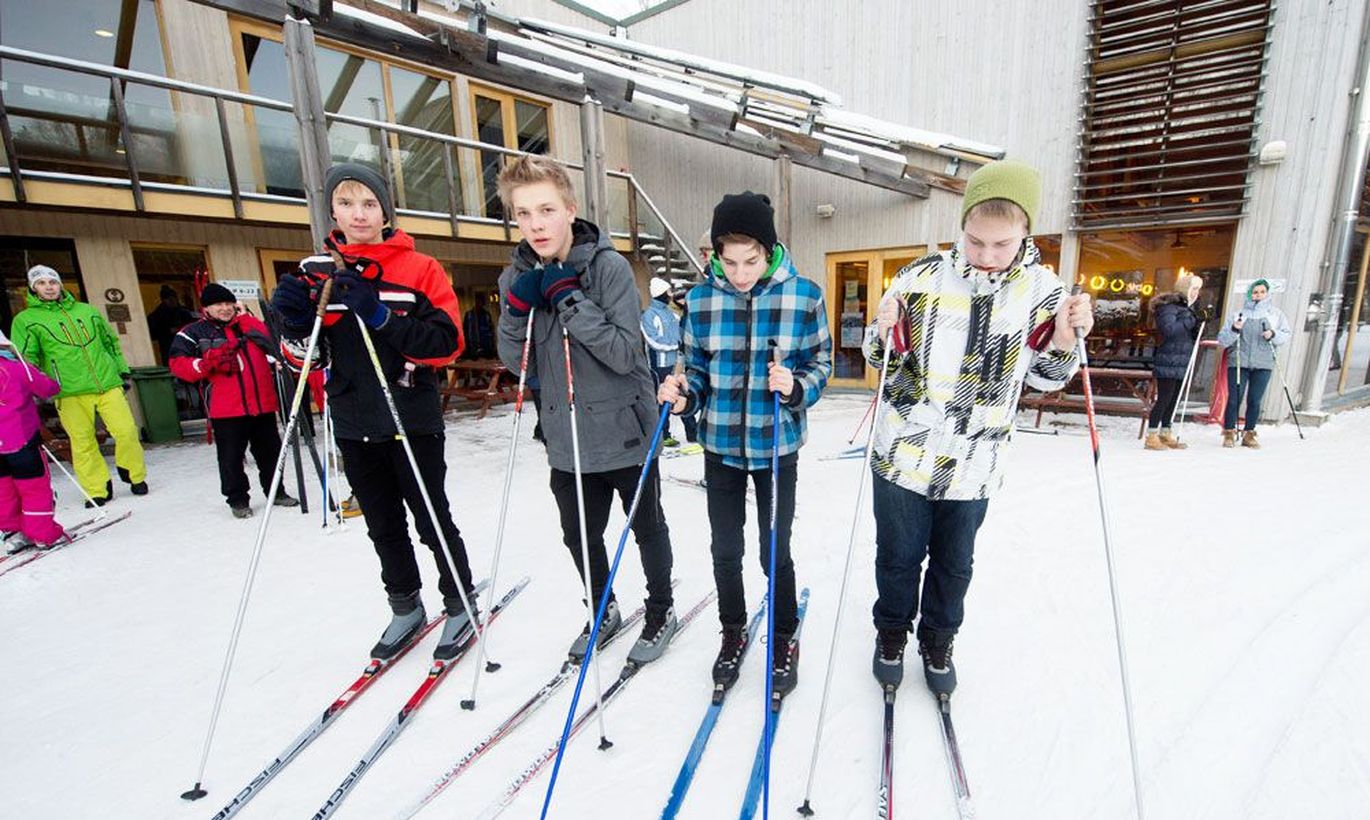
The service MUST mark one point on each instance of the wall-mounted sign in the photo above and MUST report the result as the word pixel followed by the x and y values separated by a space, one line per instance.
pixel 243 288
pixel 118 313
pixel 1276 285
pixel 114 295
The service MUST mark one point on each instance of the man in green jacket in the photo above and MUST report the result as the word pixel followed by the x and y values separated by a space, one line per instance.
pixel 72 342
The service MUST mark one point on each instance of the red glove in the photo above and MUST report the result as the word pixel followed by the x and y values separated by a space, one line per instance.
pixel 900 332
pixel 222 359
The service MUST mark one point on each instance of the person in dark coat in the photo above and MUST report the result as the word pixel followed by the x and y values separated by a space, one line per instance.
pixel 1178 325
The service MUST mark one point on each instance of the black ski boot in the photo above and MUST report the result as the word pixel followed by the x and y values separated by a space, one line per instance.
pixel 612 622
pixel 729 661
pixel 888 663
pixel 784 666
pixel 97 501
pixel 285 499
pixel 456 629
pixel 938 670
pixel 408 620
pixel 241 511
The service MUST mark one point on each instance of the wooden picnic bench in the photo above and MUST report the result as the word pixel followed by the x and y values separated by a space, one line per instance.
pixel 1137 388
pixel 483 380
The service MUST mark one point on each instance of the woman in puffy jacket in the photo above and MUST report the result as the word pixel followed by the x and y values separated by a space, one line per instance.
pixel 1178 325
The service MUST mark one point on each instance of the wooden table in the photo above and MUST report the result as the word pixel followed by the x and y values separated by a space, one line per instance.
pixel 1139 384
pixel 484 380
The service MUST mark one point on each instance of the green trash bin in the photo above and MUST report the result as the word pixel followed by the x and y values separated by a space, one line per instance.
pixel 157 396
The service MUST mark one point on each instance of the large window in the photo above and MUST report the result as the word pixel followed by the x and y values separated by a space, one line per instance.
pixel 1124 270
pixel 17 255
pixel 68 122
pixel 510 121
pixel 357 86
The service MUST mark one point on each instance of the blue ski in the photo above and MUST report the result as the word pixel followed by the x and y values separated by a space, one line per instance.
pixel 753 796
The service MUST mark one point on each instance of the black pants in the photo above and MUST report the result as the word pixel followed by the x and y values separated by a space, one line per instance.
pixel 649 527
pixel 384 484
pixel 1167 395
pixel 727 490
pixel 26 462
pixel 232 438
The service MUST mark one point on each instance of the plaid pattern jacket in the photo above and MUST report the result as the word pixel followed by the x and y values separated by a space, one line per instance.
pixel 727 340
pixel 950 402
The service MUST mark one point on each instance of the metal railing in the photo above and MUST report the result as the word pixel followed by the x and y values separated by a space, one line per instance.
pixel 163 147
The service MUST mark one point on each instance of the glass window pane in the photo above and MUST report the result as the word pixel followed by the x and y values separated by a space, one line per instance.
pixel 1350 366
pixel 424 102
pixel 275 164
pixel 352 85
pixel 490 128
pixel 848 361
pixel 531 120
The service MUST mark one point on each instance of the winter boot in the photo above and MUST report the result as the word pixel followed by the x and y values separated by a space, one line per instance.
pixel 785 665
pixel 35 498
pixel 938 670
pixel 136 487
pixel 729 660
pixel 350 507
pixel 456 630
pixel 241 511
pixel 97 501
pixel 670 441
pixel 1229 438
pixel 408 620
pixel 657 632
pixel 1169 440
pixel 607 628
pixel 1249 440
pixel 285 499
pixel 17 542
pixel 1153 442
pixel 888 663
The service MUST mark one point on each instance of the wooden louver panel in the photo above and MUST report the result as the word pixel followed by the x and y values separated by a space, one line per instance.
pixel 1172 100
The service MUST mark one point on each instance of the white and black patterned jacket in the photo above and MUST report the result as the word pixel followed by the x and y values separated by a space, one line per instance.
pixel 949 403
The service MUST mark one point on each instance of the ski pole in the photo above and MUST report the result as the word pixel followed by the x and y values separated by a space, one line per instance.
pixel 197 791
pixel 470 703
pixel 778 357
pixel 869 409
pixel 806 809
pixel 1185 383
pixel 1108 555
pixel 403 438
pixel 1289 398
pixel 648 464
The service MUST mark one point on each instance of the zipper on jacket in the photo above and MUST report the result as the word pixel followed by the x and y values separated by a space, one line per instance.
pixel 747 378
pixel 84 354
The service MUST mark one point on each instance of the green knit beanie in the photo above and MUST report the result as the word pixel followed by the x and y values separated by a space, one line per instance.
pixel 1015 181
pixel 1253 285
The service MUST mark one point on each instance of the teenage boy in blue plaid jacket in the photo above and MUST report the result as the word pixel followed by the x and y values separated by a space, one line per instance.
pixel 753 302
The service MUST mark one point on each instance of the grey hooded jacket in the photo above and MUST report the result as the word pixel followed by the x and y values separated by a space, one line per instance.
pixel 616 410
pixel 1256 352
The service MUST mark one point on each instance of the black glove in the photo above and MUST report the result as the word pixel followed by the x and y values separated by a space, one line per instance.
pixel 525 294
pixel 360 297
pixel 294 302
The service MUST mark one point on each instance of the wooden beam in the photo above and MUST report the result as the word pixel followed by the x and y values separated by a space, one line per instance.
pixel 466 54
pixel 783 186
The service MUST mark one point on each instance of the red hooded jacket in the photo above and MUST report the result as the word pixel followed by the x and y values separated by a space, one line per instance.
pixel 248 387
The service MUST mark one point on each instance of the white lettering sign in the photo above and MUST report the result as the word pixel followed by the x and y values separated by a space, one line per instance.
pixel 243 288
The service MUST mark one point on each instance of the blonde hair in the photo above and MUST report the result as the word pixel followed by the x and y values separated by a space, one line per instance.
pixel 528 170
pixel 1183 284
pixel 1005 209
pixel 355 189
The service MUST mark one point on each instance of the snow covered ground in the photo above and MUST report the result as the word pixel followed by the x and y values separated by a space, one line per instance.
pixel 1244 578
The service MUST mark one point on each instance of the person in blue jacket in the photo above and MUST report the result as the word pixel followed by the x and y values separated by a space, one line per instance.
pixel 1178 324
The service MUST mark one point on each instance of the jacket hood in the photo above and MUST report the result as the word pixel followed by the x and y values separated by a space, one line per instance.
pixel 1170 298
pixel 587 242
pixel 781 270
pixel 394 242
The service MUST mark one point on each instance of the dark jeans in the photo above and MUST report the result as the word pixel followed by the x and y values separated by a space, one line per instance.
pixel 727 491
pixel 1167 395
pixel 1254 383
pixel 908 528
pixel 691 425
pixel 384 485
pixel 232 438
pixel 649 527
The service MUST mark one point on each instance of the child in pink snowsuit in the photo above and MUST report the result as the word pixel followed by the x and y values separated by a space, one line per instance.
pixel 25 489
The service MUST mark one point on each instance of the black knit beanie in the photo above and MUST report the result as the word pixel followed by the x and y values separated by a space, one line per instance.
pixel 215 294
pixel 747 214
pixel 366 176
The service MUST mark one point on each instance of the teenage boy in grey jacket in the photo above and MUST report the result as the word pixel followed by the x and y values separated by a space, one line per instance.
pixel 568 275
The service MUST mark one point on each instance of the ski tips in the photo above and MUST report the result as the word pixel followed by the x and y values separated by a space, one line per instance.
pixel 194 794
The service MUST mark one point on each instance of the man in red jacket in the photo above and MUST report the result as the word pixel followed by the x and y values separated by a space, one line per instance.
pixel 228 351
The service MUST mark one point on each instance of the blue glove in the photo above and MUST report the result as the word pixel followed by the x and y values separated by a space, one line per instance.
pixel 360 297
pixel 525 295
pixel 294 302
pixel 559 281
